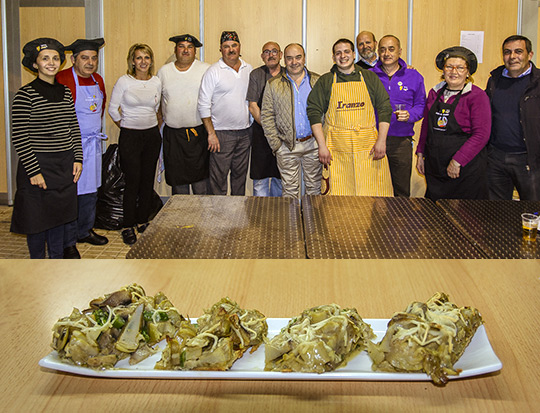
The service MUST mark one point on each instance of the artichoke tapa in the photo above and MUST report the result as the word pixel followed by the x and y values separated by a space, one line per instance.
pixel 224 333
pixel 428 337
pixel 321 339
pixel 126 323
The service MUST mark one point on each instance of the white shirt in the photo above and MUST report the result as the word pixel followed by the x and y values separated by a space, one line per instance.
pixel 223 96
pixel 180 93
pixel 138 101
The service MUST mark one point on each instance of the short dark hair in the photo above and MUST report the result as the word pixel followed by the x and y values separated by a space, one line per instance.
pixel 393 37
pixel 518 37
pixel 346 41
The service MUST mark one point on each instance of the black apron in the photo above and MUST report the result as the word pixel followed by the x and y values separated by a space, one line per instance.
pixel 36 210
pixel 445 138
pixel 263 161
pixel 185 154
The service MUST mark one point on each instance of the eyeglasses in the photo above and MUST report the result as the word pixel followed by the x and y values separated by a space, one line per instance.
pixel 269 52
pixel 460 69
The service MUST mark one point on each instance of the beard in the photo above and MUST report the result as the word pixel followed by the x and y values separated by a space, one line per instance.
pixel 368 55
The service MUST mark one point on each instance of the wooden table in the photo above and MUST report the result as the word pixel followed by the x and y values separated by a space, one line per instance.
pixel 36 293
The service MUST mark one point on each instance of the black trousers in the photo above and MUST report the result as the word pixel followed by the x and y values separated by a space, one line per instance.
pixel 139 152
pixel 399 152
pixel 509 170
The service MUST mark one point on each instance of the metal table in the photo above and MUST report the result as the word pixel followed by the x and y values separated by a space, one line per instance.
pixel 379 227
pixel 200 226
pixel 494 226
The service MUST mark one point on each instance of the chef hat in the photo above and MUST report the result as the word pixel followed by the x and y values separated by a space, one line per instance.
pixel 31 51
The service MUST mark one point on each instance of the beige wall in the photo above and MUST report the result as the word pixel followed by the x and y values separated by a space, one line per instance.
pixel 431 34
pixel 62 23
pixel 3 172
pixel 143 21
pixel 256 22
pixel 436 25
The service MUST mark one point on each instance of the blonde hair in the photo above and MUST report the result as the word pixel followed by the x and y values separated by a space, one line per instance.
pixel 131 55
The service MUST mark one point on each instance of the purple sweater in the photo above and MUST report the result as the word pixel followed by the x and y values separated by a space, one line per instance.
pixel 473 114
pixel 405 87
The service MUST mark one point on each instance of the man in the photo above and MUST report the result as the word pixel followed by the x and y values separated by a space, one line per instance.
pixel 348 97
pixel 367 46
pixel 88 90
pixel 224 111
pixel 514 146
pixel 405 88
pixel 185 141
pixel 286 125
pixel 264 170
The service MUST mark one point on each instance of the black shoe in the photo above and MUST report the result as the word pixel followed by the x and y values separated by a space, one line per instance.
pixel 129 237
pixel 71 253
pixel 94 239
pixel 141 228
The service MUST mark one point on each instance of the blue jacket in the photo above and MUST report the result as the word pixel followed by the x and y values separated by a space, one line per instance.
pixel 405 87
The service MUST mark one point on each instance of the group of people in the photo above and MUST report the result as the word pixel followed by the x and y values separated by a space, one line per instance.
pixel 351 129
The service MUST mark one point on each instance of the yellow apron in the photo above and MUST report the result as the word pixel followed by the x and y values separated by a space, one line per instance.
pixel 350 131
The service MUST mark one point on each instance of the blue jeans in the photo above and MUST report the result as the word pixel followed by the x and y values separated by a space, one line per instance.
pixel 267 187
pixel 86 215
pixel 54 238
pixel 509 170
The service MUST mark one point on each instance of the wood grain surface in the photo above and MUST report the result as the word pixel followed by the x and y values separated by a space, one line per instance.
pixel 36 293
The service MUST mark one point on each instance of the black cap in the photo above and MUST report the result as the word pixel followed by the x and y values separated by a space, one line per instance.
pixel 80 45
pixel 32 49
pixel 457 51
pixel 229 35
pixel 186 38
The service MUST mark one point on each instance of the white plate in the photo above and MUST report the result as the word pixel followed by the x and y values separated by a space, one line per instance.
pixel 479 358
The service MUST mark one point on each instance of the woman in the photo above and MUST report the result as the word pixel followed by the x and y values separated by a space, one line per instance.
pixel 134 104
pixel 455 130
pixel 47 139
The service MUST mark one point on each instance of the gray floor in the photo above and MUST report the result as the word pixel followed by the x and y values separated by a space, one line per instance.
pixel 13 246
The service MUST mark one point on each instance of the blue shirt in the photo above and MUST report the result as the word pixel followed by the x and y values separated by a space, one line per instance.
pixel 301 121
pixel 525 73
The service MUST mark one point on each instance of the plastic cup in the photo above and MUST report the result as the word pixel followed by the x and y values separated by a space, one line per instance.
pixel 529 223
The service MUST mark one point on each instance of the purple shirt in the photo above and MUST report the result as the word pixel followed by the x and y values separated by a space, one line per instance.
pixel 473 114
pixel 405 87
pixel 300 94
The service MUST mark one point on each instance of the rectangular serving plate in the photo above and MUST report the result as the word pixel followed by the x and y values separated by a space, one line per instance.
pixel 479 358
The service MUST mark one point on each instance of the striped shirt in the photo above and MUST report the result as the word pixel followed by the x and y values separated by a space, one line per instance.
pixel 44 120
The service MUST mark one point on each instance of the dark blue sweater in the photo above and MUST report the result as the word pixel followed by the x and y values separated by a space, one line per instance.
pixel 506 130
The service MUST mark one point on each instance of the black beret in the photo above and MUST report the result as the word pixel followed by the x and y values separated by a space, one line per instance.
pixel 80 45
pixel 186 38
pixel 32 49
pixel 457 51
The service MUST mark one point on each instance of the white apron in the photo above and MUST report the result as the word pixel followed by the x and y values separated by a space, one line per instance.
pixel 88 107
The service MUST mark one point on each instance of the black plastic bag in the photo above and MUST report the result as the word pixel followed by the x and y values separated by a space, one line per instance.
pixel 109 208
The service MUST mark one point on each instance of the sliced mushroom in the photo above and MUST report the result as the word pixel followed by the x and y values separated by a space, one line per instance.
pixel 115 299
